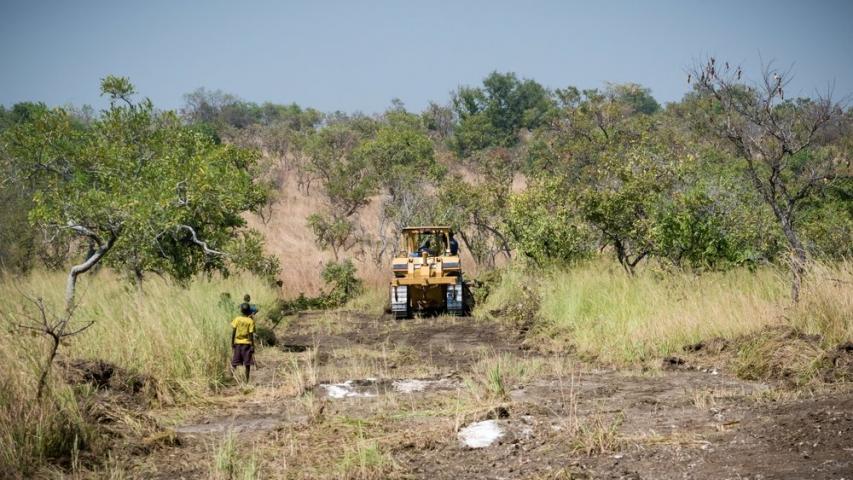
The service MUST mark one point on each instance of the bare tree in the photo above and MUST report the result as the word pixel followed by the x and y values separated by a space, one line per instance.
pixel 780 140
pixel 58 327
pixel 55 327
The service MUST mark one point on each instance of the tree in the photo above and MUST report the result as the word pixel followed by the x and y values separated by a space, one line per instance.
pixel 638 97
pixel 138 190
pixel 615 163
pixel 334 233
pixel 494 114
pixel 439 120
pixel 545 226
pixel 347 180
pixel 476 209
pixel 619 200
pixel 18 240
pixel 402 156
pixel 787 145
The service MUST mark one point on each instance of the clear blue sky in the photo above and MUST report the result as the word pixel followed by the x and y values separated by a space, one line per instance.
pixel 358 55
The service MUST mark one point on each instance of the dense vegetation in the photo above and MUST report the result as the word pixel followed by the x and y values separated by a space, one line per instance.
pixel 553 176
pixel 544 176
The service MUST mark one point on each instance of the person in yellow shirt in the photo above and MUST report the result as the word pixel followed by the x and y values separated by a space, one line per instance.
pixel 243 339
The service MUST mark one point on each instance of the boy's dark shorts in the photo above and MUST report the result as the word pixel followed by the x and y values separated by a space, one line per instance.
pixel 243 354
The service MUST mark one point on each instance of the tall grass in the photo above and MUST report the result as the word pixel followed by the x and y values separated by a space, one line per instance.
pixel 826 307
pixel 372 301
pixel 603 313
pixel 176 337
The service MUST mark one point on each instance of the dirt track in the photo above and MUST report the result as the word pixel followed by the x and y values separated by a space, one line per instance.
pixel 342 383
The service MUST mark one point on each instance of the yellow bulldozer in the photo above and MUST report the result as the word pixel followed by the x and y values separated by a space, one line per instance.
pixel 428 274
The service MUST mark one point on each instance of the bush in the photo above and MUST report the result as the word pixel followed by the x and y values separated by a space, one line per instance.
pixel 342 282
pixel 265 336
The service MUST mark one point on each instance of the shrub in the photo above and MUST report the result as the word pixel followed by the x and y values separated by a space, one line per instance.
pixel 342 282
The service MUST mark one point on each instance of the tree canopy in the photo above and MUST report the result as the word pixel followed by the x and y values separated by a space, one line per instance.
pixel 154 194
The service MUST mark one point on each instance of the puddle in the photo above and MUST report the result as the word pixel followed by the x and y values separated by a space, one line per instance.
pixel 372 387
pixel 350 389
pixel 480 434
pixel 412 385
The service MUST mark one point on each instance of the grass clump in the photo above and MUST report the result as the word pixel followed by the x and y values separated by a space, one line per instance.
pixel 35 432
pixel 179 337
pixel 826 304
pixel 229 464
pixel 364 461
pixel 494 376
pixel 779 353
pixel 621 319
pixel 597 435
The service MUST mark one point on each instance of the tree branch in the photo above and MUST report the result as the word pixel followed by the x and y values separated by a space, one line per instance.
pixel 207 250
pixel 81 230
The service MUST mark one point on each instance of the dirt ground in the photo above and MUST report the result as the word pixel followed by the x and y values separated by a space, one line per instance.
pixel 346 395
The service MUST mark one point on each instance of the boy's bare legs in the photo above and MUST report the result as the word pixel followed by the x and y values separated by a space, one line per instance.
pixel 248 367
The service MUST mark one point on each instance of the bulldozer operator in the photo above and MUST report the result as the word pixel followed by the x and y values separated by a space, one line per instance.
pixel 430 245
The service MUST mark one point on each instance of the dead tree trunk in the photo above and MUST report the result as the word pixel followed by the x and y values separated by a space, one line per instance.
pixel 770 133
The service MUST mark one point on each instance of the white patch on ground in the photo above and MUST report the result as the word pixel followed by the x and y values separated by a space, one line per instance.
pixel 344 390
pixel 480 434
pixel 411 385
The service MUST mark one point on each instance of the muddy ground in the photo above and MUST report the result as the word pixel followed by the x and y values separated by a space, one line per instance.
pixel 346 395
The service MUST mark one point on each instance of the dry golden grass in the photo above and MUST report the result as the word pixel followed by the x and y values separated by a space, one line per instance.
pixel 826 308
pixel 288 236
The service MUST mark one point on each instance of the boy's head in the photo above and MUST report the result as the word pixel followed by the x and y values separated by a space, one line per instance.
pixel 246 309
pixel 247 298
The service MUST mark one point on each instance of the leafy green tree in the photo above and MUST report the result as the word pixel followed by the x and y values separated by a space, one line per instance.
pixel 402 157
pixel 476 209
pixel 638 97
pixel 334 233
pixel 138 188
pixel 545 226
pixel 18 240
pixel 618 205
pixel 614 162
pixel 22 112
pixel 493 115
pixel 346 179
pixel 342 280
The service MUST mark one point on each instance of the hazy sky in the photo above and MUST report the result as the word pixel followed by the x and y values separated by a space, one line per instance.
pixel 358 55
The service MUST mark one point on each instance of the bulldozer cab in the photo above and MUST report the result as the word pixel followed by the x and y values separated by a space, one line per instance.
pixel 426 241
